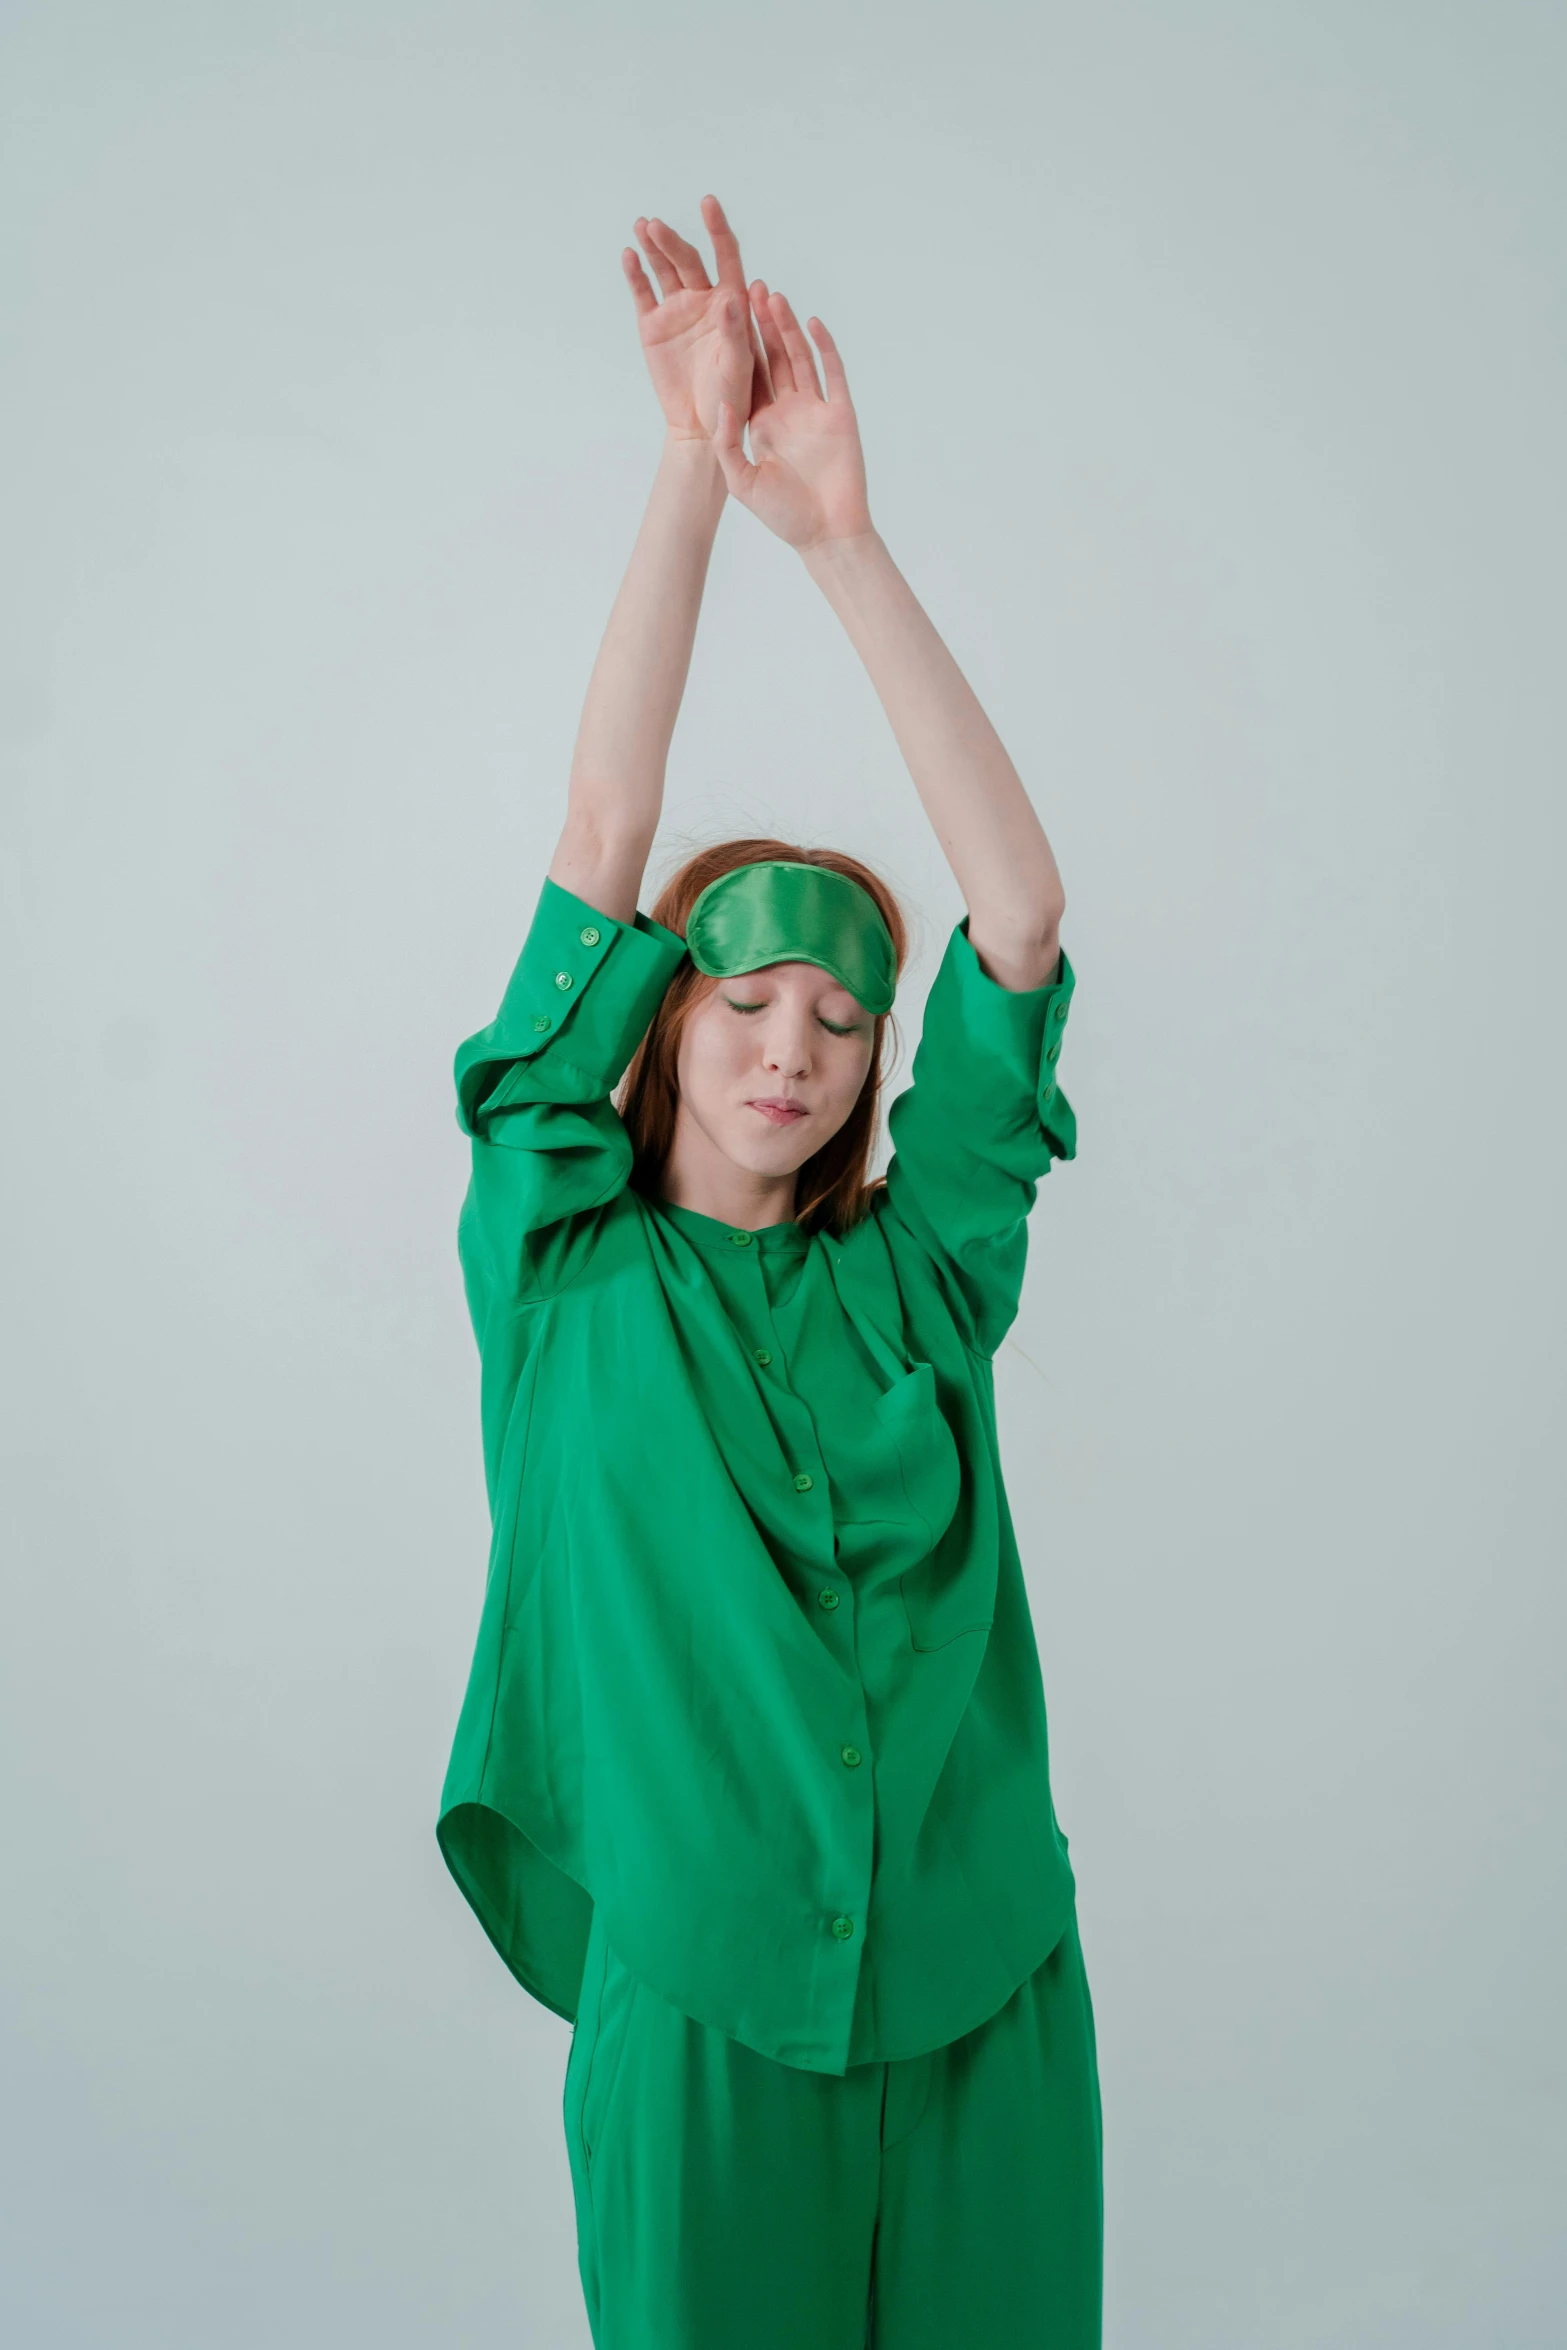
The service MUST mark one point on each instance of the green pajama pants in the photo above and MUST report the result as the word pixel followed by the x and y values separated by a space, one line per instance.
pixel 942 2202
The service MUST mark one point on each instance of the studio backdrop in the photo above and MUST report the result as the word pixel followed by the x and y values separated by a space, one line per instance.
pixel 1210 365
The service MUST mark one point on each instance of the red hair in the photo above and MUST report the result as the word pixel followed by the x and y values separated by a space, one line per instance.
pixel 833 1189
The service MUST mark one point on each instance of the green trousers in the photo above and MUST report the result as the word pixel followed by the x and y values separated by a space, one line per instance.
pixel 942 2202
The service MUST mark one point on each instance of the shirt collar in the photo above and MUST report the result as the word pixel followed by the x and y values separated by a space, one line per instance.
pixel 711 1232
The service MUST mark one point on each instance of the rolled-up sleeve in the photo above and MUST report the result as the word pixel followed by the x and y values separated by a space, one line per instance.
pixel 980 1125
pixel 575 1010
pixel 533 1087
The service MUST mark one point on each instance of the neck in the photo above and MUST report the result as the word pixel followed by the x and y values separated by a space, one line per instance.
pixel 698 1175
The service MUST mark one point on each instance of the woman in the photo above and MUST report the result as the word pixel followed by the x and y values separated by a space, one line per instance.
pixel 751 1780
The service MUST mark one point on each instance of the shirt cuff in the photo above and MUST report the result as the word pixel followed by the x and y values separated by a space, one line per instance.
pixel 578 1004
pixel 978 1023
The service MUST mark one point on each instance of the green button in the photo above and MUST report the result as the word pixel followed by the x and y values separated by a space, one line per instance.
pixel 541 1020
pixel 851 1755
pixel 1053 1049
pixel 827 1599
pixel 762 1356
pixel 741 1239
pixel 804 1481
pixel 589 936
pixel 1058 1008
pixel 843 1928
pixel 1047 1092
pixel 563 979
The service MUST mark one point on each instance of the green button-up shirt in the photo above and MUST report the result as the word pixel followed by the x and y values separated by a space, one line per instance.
pixel 755 1667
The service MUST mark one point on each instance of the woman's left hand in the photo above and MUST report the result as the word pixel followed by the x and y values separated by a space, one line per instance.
pixel 699 342
pixel 808 483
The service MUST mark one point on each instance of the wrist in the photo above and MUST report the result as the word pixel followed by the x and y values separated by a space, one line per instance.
pixel 689 463
pixel 842 551
pixel 689 445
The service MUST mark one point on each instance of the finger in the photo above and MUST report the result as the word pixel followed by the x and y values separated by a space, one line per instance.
pixel 738 472
pixel 761 378
pixel 761 381
pixel 772 340
pixel 726 245
pixel 726 252
pixel 636 278
pixel 729 312
pixel 664 270
pixel 801 357
pixel 832 363
pixel 687 260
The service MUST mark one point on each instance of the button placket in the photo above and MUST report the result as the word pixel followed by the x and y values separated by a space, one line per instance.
pixel 793 1414
pixel 763 1356
pixel 850 1921
pixel 754 1276
pixel 766 1357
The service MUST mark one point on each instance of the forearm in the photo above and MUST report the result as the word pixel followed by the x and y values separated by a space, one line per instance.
pixel 638 679
pixel 970 789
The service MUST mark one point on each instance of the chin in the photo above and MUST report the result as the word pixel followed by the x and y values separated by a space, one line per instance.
pixel 781 1152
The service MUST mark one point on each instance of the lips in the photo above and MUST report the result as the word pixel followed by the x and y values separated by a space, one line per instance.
pixel 778 1111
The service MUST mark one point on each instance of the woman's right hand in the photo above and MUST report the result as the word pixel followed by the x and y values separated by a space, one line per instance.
pixel 808 482
pixel 700 342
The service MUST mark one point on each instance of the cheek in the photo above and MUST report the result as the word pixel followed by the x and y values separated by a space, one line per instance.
pixel 848 1081
pixel 711 1055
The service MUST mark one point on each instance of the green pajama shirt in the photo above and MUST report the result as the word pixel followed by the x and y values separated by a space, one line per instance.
pixel 756 1715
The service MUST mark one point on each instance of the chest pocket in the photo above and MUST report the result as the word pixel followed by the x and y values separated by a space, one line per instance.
pixel 919 1450
pixel 943 1593
pixel 947 1591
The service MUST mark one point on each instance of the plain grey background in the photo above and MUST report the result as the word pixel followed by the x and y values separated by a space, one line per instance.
pixel 1210 361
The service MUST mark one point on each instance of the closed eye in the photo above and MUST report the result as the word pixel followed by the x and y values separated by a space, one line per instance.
pixel 832 1027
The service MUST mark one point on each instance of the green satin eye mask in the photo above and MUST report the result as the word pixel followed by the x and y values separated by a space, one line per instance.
pixel 777 911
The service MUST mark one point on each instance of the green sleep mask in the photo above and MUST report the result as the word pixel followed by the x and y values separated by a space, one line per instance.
pixel 778 911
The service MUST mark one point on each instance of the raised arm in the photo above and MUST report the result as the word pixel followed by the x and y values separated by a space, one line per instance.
pixel 808 486
pixel 700 347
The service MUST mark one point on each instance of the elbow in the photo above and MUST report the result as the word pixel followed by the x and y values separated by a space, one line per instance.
pixel 1023 953
pixel 1035 933
pixel 601 864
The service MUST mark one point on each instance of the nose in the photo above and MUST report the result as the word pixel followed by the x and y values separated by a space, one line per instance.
pixel 786 1048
